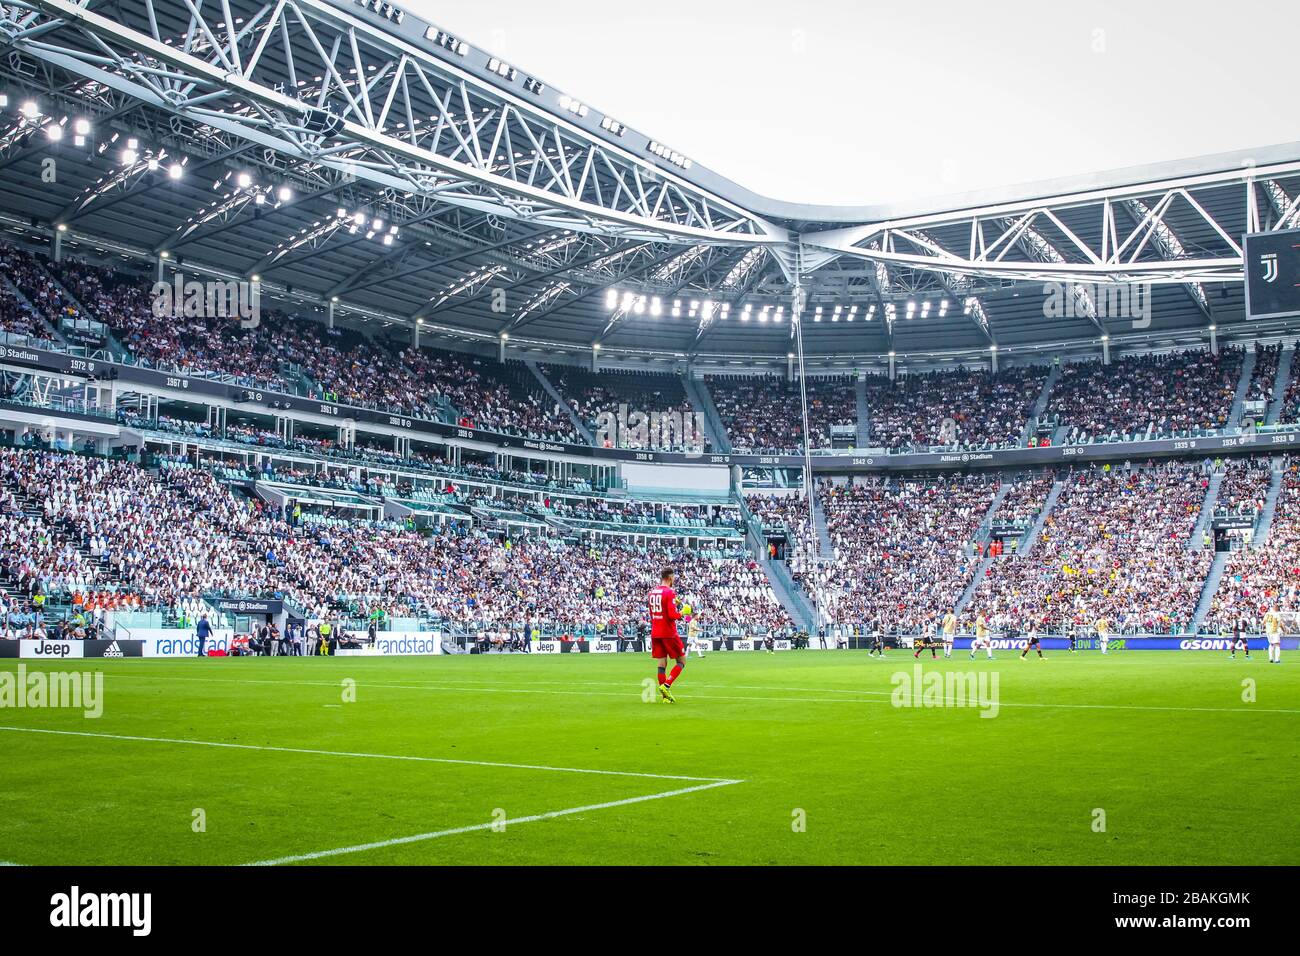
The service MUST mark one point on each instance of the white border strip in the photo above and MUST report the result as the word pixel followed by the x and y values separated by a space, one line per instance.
pixel 438 834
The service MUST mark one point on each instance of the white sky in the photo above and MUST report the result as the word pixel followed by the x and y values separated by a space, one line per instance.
pixel 848 102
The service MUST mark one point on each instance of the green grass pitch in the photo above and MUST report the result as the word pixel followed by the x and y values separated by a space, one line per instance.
pixel 791 758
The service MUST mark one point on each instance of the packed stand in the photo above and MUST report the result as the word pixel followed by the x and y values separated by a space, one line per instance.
pixel 963 408
pixel 904 551
pixel 74 523
pixel 763 415
pixel 1115 545
pixel 1172 395
pixel 1256 580
pixel 594 394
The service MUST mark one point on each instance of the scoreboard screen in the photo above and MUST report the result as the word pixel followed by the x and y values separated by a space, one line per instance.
pixel 1272 274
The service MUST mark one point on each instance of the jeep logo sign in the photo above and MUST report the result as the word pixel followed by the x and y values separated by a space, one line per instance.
pixel 46 649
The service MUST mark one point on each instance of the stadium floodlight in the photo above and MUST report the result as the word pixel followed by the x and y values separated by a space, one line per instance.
pixel 129 156
pixel 175 170
pixel 388 239
pixel 259 199
pixel 152 164
pixel 285 194
pixel 81 127
pixel 30 110
pixel 62 227
pixel 4 101
pixel 656 305
pixel 341 213
pixel 132 143
pixel 244 180
pixel 611 298
pixel 54 132
pixel 359 218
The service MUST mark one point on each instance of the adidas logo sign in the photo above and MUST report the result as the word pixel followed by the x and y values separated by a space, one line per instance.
pixel 113 650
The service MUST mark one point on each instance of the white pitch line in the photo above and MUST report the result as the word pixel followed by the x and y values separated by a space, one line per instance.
pixel 882 696
pixel 712 781
pixel 437 834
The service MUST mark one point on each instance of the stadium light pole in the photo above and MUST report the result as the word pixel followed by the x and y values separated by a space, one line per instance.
pixel 796 308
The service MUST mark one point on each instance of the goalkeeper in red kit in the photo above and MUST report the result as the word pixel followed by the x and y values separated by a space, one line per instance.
pixel 664 641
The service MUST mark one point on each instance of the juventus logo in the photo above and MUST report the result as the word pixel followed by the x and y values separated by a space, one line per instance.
pixel 1269 262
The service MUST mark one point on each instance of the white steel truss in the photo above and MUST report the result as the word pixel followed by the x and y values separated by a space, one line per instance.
pixel 321 84
pixel 994 237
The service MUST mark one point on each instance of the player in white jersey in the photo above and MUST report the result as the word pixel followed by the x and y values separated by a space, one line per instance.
pixel 1273 631
pixel 949 632
pixel 1102 627
pixel 694 641
pixel 983 638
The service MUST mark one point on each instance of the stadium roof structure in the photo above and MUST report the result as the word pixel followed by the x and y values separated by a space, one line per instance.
pixel 347 151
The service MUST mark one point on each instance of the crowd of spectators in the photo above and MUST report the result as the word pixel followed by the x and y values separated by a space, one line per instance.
pixel 1244 485
pixel 341 364
pixel 904 550
pixel 1264 375
pixel 960 408
pixel 1115 545
pixel 763 415
pixel 1290 414
pixel 74 524
pixel 34 284
pixel 1025 500
pixel 1257 579
pixel 1174 394
pixel 592 395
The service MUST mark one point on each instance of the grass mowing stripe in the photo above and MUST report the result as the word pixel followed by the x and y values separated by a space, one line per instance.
pixel 884 695
pixel 437 834
pixel 713 781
